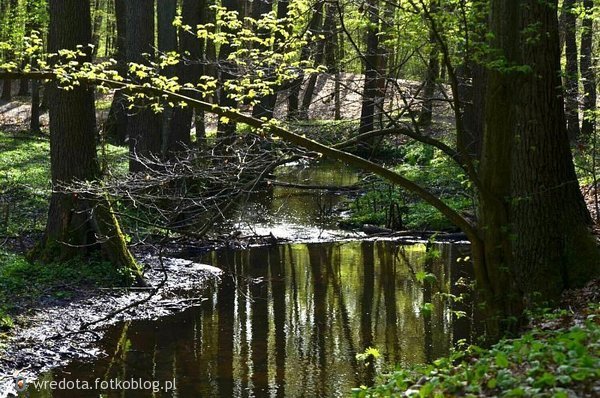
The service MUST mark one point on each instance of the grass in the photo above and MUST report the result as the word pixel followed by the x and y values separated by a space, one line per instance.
pixel 562 362
pixel 25 187
pixel 23 283
pixel 24 182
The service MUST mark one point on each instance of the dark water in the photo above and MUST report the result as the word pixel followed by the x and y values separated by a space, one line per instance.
pixel 288 321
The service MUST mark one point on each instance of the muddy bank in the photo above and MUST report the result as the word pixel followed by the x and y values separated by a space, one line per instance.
pixel 57 332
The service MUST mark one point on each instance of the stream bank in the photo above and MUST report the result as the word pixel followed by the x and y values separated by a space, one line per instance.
pixel 278 317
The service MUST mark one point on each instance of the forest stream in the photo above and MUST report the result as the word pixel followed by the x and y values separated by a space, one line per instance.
pixel 288 320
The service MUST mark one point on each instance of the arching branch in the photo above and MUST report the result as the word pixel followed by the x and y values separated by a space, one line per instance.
pixel 288 136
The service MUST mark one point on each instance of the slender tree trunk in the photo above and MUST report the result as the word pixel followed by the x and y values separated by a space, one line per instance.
pixel 167 42
pixel 431 75
pixel 296 86
pixel 226 129
pixel 266 105
pixel 189 71
pixel 571 78
pixel 23 84
pixel 98 17
pixel 34 123
pixel 210 52
pixel 7 86
pixel 116 123
pixel 6 90
pixel 587 71
pixel 371 71
pixel 309 90
pixel 143 125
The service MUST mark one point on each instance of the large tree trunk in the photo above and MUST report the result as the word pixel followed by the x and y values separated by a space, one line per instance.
pixel 587 71
pixel 189 70
pixel 554 249
pixel 534 221
pixel 76 224
pixel 571 76
pixel 143 125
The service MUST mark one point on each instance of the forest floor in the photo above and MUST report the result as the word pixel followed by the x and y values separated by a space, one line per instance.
pixel 54 330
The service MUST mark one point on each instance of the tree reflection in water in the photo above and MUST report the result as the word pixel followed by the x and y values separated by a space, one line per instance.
pixel 289 320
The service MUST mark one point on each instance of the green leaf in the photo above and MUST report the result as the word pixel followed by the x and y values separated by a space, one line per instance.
pixel 501 360
pixel 427 308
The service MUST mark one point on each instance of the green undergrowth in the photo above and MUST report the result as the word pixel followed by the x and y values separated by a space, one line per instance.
pixel 25 182
pixel 392 207
pixel 557 362
pixel 23 283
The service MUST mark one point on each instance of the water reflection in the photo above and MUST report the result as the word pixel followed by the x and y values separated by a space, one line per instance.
pixel 288 321
pixel 294 213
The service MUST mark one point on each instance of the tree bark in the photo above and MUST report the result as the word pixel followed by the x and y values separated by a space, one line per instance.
pixel 571 79
pixel 167 42
pixel 143 125
pixel 76 224
pixel 226 129
pixel 588 74
pixel 431 75
pixel 189 70
pixel 472 85
pixel 371 69
pixel 116 123
pixel 534 222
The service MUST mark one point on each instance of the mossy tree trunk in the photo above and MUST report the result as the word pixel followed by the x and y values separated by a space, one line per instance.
pixel 76 223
